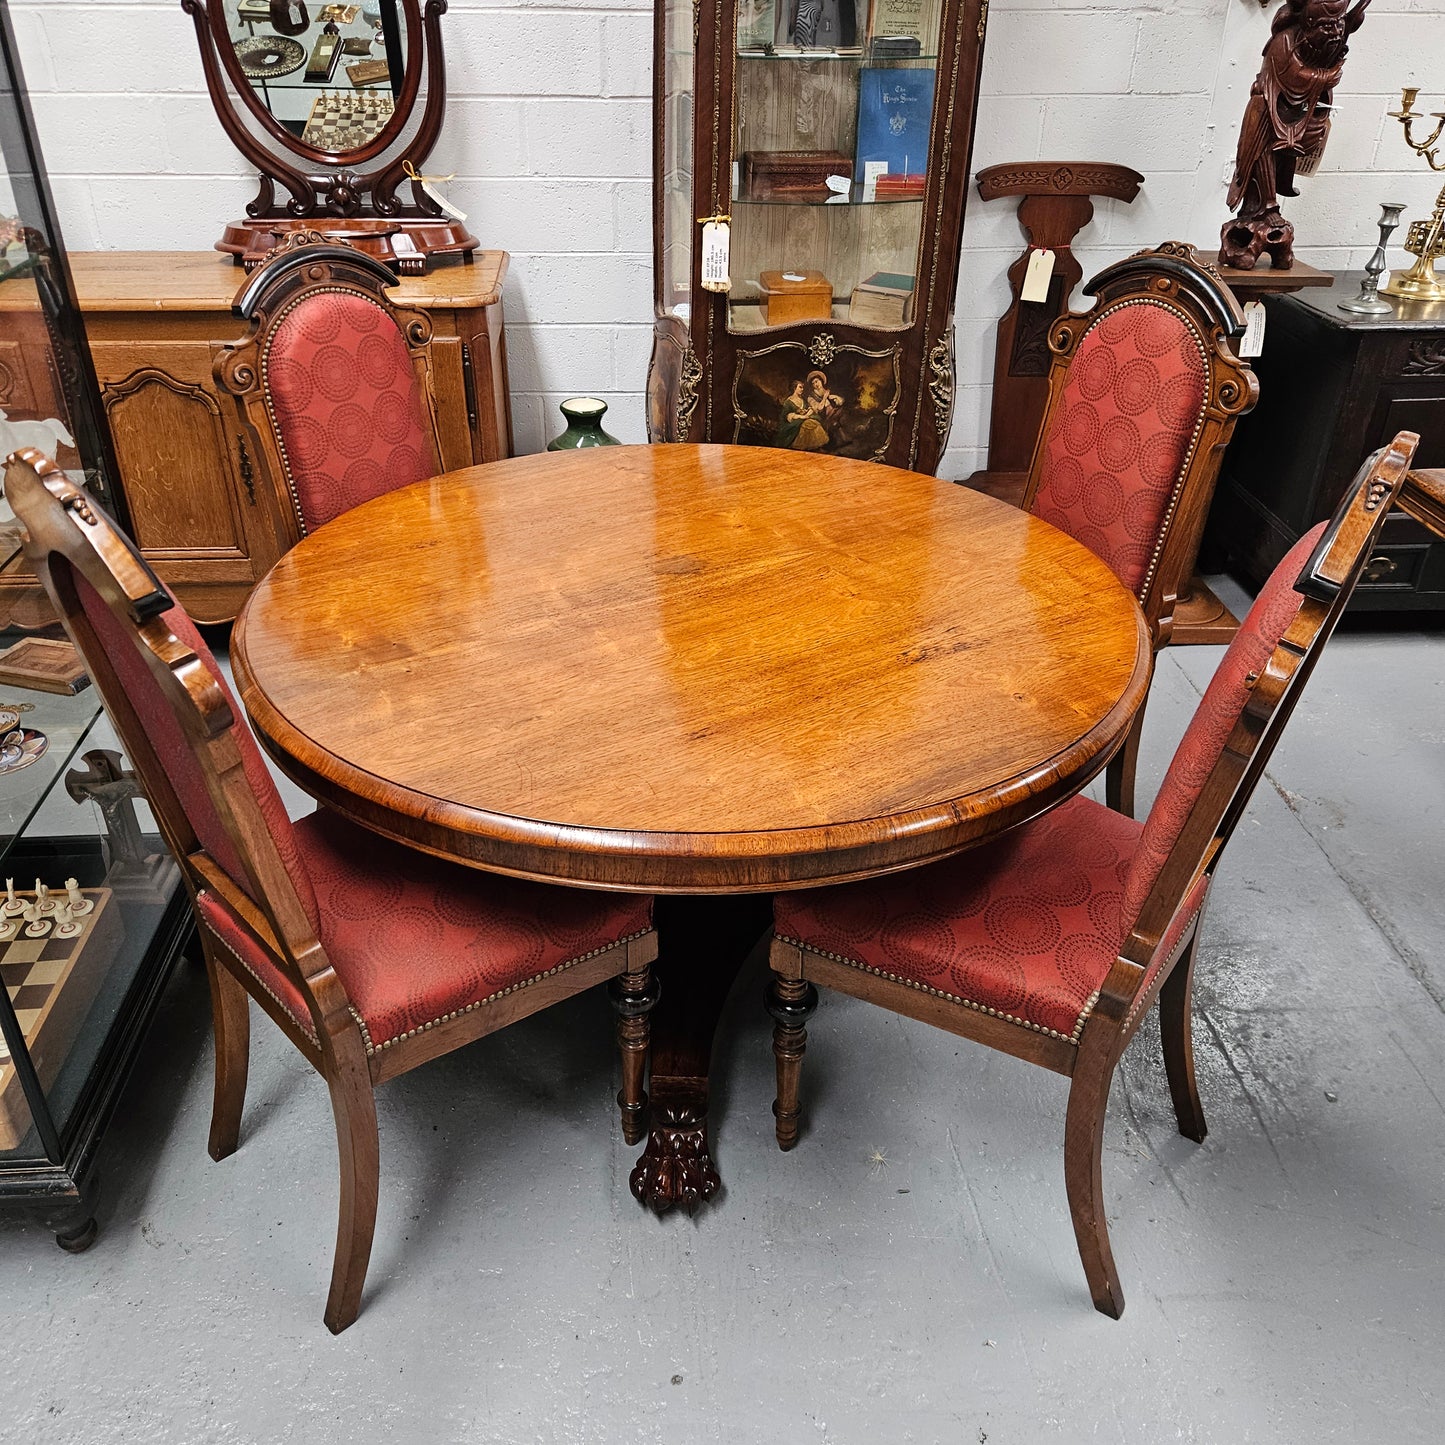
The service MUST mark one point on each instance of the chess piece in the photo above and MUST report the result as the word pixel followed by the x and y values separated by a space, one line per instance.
pixel 13 907
pixel 35 925
pixel 43 899
pixel 65 925
pixel 79 903
pixel 9 929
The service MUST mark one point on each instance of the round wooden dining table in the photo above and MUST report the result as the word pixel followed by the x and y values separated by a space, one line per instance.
pixel 703 672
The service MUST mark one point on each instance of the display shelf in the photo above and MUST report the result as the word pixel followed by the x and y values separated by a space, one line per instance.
pixel 74 1005
pixel 767 127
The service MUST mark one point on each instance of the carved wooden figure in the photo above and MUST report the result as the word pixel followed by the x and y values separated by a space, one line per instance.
pixel 1057 203
pixel 1053 943
pixel 1286 125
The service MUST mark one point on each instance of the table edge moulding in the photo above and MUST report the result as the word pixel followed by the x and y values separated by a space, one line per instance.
pixel 668 850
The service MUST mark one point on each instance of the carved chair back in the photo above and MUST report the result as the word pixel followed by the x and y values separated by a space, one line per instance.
pixel 333 382
pixel 1144 393
pixel 1234 730
pixel 203 775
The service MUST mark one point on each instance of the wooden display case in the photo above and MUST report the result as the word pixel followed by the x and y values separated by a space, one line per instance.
pixel 75 1002
pixel 747 116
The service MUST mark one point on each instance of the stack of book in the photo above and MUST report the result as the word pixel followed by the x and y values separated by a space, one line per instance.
pixel 884 299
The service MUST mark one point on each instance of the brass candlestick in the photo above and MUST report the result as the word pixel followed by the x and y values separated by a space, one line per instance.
pixel 1426 239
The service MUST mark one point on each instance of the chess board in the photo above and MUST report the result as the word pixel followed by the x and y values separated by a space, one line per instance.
pixel 345 120
pixel 51 982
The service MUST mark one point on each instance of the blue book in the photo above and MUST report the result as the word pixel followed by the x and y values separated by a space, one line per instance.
pixel 895 113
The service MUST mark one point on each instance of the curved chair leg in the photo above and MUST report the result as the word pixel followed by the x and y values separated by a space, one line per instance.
pixel 791 1002
pixel 634 996
pixel 1176 1036
pixel 1119 775
pixel 231 1024
pixel 1084 1178
pixel 354 1104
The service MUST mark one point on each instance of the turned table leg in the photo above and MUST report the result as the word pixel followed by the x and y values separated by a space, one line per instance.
pixel 703 942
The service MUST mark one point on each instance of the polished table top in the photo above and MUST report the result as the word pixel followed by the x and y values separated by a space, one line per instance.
pixel 692 669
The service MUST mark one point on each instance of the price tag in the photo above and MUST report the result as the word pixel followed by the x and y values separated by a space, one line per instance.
pixel 1253 341
pixel 442 201
pixel 1036 278
pixel 871 171
pixel 715 245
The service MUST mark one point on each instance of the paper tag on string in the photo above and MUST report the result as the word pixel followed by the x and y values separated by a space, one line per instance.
pixel 425 183
pixel 442 201
pixel 1253 342
pixel 715 245
pixel 1037 277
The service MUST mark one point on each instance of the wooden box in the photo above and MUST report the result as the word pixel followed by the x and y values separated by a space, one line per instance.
pixel 790 296
pixel 792 175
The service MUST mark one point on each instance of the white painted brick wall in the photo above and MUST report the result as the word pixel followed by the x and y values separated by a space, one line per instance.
pixel 549 131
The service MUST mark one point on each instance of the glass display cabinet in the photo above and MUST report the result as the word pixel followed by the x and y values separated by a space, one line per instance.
pixel 92 914
pixel 811 159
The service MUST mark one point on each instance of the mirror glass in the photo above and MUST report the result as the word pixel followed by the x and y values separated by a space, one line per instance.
pixel 327 74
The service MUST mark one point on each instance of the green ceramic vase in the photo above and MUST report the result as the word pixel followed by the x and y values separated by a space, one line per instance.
pixel 584 425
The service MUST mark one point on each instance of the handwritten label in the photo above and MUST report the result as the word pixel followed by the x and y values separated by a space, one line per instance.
pixel 715 246
pixel 1253 342
pixel 1036 278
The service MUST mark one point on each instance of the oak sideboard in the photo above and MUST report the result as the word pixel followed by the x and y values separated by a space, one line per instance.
pixel 156 321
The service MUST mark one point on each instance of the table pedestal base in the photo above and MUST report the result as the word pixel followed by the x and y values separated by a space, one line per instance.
pixel 703 942
pixel 676 1168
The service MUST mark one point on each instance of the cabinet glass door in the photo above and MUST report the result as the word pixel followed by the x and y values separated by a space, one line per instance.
pixel 833 111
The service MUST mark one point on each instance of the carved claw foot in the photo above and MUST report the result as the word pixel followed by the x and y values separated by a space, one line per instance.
pixel 675 1168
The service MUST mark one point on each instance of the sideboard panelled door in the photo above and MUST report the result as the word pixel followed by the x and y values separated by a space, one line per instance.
pixel 833 142
pixel 189 474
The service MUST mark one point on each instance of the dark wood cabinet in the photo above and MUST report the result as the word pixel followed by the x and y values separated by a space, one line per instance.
pixel 1334 386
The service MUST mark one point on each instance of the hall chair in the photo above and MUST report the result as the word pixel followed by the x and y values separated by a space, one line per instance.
pixel 1144 393
pixel 332 383
pixel 370 957
pixel 1052 942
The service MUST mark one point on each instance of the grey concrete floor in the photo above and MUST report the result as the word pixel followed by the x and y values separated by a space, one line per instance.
pixel 909 1273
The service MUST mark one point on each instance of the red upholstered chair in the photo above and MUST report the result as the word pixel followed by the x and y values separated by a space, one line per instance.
pixel 370 957
pixel 1053 941
pixel 1144 393
pixel 333 383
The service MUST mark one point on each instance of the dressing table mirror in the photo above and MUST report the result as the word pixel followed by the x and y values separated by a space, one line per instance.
pixel 337 106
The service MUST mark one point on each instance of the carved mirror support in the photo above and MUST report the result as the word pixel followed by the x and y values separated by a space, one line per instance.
pixel 323 99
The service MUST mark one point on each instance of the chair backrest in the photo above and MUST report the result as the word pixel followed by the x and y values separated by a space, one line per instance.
pixel 177 720
pixel 332 381
pixel 1144 393
pixel 1244 710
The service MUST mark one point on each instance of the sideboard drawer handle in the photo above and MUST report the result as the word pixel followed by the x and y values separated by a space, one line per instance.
pixel 1379 567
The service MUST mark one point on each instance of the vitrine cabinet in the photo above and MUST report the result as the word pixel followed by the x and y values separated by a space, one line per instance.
pixel 810 165
pixel 81 968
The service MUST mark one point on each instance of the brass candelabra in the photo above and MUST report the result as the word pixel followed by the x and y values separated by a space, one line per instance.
pixel 1426 239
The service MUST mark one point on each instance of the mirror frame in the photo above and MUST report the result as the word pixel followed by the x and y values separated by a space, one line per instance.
pixel 242 85
pixel 362 202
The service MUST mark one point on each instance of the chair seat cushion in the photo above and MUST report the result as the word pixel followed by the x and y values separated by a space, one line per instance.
pixel 1025 928
pixel 417 941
